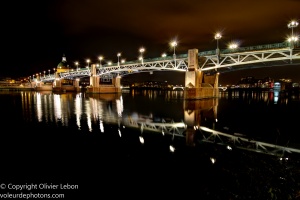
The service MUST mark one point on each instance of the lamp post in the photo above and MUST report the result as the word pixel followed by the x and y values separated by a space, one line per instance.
pixel 100 59
pixel 142 50
pixel 76 63
pixel 119 54
pixel 217 37
pixel 293 24
pixel 88 62
pixel 174 44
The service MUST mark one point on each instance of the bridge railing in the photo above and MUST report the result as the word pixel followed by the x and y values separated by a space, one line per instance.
pixel 249 48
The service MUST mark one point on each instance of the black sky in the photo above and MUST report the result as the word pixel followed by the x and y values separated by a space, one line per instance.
pixel 35 34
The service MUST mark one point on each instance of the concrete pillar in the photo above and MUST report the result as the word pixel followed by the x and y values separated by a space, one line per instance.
pixel 94 79
pixel 57 82
pixel 96 87
pixel 197 84
pixel 190 75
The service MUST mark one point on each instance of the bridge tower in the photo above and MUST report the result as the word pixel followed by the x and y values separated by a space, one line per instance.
pixel 96 87
pixel 197 84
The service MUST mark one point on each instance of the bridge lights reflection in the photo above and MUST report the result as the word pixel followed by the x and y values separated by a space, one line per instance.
pixel 213 160
pixel 283 159
pixel 172 149
pixel 141 139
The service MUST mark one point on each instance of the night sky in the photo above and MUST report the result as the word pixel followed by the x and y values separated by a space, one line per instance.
pixel 35 34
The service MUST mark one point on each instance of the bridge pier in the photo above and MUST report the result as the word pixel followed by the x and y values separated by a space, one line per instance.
pixel 197 84
pixel 41 86
pixel 96 87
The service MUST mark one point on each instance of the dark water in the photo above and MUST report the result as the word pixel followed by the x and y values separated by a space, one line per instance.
pixel 87 140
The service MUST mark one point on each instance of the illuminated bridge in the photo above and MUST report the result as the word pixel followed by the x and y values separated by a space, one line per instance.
pixel 279 54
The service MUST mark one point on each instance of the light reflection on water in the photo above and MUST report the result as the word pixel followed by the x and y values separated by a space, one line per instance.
pixel 91 153
pixel 266 115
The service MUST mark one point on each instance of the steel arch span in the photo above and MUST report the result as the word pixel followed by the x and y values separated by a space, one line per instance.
pixel 228 60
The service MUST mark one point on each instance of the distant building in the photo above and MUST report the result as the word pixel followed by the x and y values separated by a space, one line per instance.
pixel 251 82
pixel 63 67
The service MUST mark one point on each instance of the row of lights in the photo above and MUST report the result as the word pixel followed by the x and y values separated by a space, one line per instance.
pixel 141 50
pixel 293 24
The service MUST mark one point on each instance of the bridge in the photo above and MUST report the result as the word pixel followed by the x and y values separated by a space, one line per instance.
pixel 228 60
pixel 201 68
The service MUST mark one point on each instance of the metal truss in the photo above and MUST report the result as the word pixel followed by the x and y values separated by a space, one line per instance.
pixel 237 141
pixel 180 64
pixel 228 60
pixel 261 58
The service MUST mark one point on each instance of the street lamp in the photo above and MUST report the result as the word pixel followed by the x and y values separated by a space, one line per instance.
pixel 142 50
pixel 119 54
pixel 76 63
pixel 293 24
pixel 232 45
pixel 174 44
pixel 88 62
pixel 100 59
pixel 217 37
